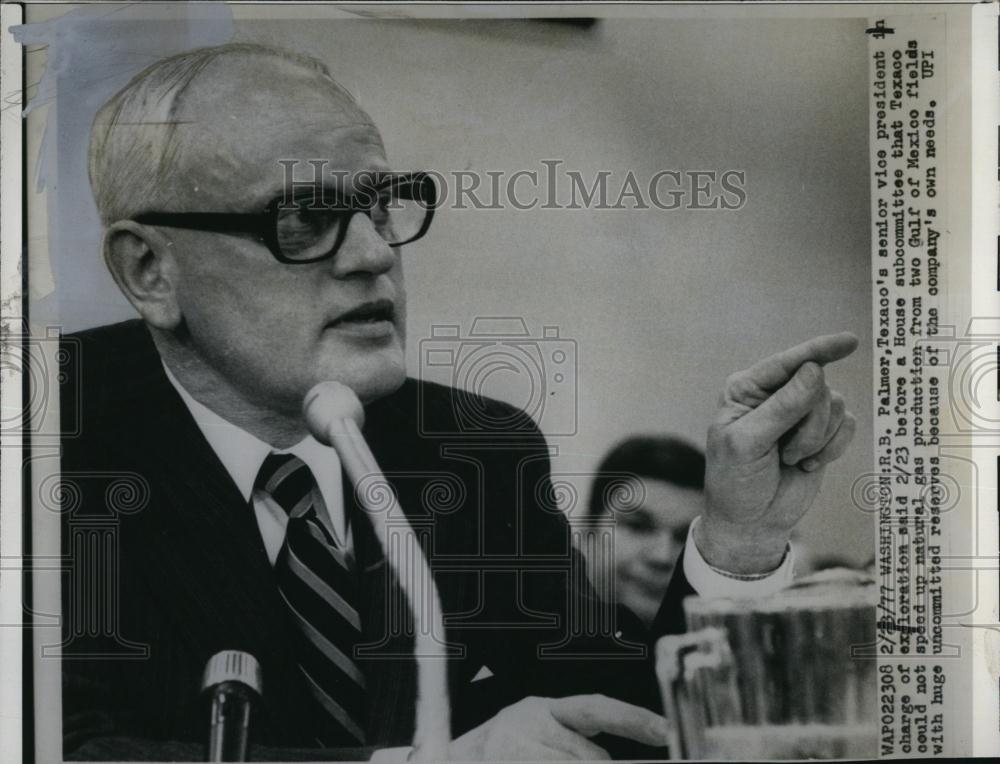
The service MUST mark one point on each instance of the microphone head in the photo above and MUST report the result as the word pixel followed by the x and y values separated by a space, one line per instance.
pixel 326 405
pixel 232 666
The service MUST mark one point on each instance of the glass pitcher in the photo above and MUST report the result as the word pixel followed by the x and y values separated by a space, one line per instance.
pixel 792 676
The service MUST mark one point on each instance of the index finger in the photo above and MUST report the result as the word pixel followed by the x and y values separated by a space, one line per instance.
pixel 592 714
pixel 774 371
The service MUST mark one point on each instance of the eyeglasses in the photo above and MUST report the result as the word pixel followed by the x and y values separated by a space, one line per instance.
pixel 312 224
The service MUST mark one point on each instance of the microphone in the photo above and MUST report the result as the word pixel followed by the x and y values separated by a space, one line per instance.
pixel 335 416
pixel 233 679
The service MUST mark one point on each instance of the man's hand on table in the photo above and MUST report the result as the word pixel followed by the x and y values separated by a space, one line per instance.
pixel 779 424
pixel 557 729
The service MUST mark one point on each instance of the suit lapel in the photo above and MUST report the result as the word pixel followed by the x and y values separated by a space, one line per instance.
pixel 200 543
pixel 209 568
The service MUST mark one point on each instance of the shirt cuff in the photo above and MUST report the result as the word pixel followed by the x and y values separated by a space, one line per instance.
pixel 391 755
pixel 709 582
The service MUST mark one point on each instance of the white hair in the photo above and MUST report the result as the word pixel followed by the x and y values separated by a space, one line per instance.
pixel 133 146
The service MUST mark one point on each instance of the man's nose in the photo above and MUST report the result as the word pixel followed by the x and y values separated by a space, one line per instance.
pixel 364 252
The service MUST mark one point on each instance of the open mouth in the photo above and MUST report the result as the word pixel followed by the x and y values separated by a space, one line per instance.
pixel 373 321
pixel 368 313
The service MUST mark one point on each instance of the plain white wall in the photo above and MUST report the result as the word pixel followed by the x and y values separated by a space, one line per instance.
pixel 662 305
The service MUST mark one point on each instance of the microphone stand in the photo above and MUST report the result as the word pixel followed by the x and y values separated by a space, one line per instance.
pixel 333 413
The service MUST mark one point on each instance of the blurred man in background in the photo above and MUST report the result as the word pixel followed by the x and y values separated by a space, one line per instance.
pixel 652 487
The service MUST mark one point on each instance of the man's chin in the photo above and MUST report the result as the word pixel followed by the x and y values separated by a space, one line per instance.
pixel 371 375
pixel 644 601
pixel 372 388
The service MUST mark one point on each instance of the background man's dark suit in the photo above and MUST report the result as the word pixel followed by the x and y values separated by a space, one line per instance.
pixel 190 575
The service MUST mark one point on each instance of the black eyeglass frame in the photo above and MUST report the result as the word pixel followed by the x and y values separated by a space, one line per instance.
pixel 263 225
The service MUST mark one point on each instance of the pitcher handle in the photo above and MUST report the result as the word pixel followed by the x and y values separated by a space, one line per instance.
pixel 680 660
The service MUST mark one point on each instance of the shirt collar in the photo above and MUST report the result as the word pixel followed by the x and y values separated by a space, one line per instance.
pixel 242 454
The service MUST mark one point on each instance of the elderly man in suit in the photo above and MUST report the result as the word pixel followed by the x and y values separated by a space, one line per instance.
pixel 251 538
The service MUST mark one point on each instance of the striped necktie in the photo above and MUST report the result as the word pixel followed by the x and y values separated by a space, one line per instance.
pixel 316 580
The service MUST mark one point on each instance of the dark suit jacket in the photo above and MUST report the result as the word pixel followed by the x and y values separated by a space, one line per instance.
pixel 168 567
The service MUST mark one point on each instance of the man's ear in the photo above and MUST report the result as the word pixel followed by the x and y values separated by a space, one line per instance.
pixel 143 265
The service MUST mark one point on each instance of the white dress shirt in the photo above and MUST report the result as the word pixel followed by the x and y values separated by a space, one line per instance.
pixel 710 582
pixel 242 454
